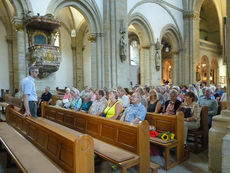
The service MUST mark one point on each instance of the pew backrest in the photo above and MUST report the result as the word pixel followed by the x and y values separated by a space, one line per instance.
pixel 55 98
pixel 133 138
pixel 73 154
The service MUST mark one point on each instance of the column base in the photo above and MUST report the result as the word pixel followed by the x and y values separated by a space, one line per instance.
pixel 216 133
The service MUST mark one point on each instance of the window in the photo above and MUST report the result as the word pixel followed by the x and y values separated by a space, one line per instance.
pixel 134 53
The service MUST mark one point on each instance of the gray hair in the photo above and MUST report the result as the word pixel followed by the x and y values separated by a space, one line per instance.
pixel 88 95
pixel 174 92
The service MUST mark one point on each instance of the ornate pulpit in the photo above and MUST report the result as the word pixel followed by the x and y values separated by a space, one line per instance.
pixel 42 32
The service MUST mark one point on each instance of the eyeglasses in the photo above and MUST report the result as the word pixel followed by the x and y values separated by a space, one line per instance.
pixel 36 72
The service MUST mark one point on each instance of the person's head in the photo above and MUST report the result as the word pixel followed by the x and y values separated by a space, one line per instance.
pixel 126 91
pixel 33 71
pixel 47 89
pixel 203 84
pixel 121 92
pixel 99 94
pixel 218 87
pixel 139 90
pixel 189 97
pixel 113 95
pixel 135 98
pixel 119 88
pixel 86 88
pixel 153 94
pixel 75 92
pixel 208 93
pixel 67 90
pixel 87 97
pixel 173 95
pixel 146 89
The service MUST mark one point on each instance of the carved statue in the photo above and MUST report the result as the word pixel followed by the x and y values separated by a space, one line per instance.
pixel 157 61
pixel 122 43
pixel 122 49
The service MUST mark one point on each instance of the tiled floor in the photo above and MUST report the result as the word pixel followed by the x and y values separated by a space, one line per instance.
pixel 197 163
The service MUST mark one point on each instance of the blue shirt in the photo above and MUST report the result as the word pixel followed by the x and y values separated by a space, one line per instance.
pixel 135 111
pixel 28 88
pixel 85 107
pixel 211 104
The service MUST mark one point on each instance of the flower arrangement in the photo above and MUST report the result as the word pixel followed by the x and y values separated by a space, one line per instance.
pixel 166 136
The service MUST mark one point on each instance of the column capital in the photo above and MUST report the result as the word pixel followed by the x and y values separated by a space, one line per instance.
pixel 146 46
pixel 191 15
pixel 18 23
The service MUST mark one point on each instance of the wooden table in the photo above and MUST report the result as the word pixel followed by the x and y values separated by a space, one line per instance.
pixel 167 145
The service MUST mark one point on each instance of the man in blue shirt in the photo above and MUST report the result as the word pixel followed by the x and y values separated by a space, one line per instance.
pixel 211 104
pixel 29 93
pixel 136 111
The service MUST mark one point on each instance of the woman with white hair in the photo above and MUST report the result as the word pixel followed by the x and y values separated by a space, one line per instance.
pixel 75 101
pixel 86 103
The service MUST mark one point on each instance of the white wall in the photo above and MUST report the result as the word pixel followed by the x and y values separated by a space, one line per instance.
pixel 87 61
pixel 4 62
pixel 159 21
pixel 64 76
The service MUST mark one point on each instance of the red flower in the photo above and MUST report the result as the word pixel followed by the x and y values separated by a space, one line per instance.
pixel 153 133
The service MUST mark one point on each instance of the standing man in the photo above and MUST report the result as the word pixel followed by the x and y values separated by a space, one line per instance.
pixel 29 92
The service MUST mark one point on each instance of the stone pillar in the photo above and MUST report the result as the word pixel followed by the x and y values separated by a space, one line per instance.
pixel 220 122
pixel 115 21
pixel 226 152
pixel 192 45
pixel 11 61
pixel 21 50
pixel 175 67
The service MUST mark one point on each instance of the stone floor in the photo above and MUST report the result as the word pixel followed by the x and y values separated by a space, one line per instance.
pixel 197 163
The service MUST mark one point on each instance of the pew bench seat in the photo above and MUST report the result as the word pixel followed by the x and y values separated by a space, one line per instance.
pixel 25 154
pixel 118 156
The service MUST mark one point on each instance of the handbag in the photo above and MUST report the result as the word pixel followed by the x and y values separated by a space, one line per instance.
pixel 103 114
pixel 187 112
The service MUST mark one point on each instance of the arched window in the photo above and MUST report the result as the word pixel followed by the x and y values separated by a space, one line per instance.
pixel 134 53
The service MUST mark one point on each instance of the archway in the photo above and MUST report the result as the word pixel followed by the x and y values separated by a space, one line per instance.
pixel 172 69
pixel 141 40
pixel 209 22
pixel 90 31
pixel 134 59
pixel 205 77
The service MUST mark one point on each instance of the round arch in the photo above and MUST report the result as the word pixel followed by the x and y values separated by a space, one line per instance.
pixel 175 40
pixel 205 69
pixel 197 7
pixel 94 20
pixel 146 40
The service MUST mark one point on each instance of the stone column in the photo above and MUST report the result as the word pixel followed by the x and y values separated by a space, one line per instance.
pixel 21 50
pixel 10 39
pixel 175 67
pixel 226 152
pixel 146 65
pixel 192 45
pixel 115 20
pixel 220 122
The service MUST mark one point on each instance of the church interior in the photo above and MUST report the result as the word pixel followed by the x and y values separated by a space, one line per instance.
pixel 114 86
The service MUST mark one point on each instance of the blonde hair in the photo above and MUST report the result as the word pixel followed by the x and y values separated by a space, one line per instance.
pixel 155 92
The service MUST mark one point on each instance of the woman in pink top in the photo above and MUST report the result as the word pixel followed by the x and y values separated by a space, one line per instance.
pixel 67 94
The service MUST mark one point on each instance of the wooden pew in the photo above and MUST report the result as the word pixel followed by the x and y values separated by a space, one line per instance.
pixel 200 135
pixel 11 100
pixel 74 154
pixel 119 142
pixel 174 124
pixel 55 98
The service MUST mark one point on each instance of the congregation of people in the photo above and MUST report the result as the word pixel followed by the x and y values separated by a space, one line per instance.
pixel 132 106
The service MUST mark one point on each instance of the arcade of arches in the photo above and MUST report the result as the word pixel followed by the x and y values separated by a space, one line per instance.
pixel 106 43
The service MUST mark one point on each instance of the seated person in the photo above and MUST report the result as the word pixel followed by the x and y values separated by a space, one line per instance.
pixel 66 98
pixel 46 96
pixel 211 104
pixel 86 103
pixel 153 104
pixel 171 106
pixel 140 91
pixel 99 104
pixel 191 111
pixel 124 99
pixel 114 107
pixel 136 111
pixel 75 101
